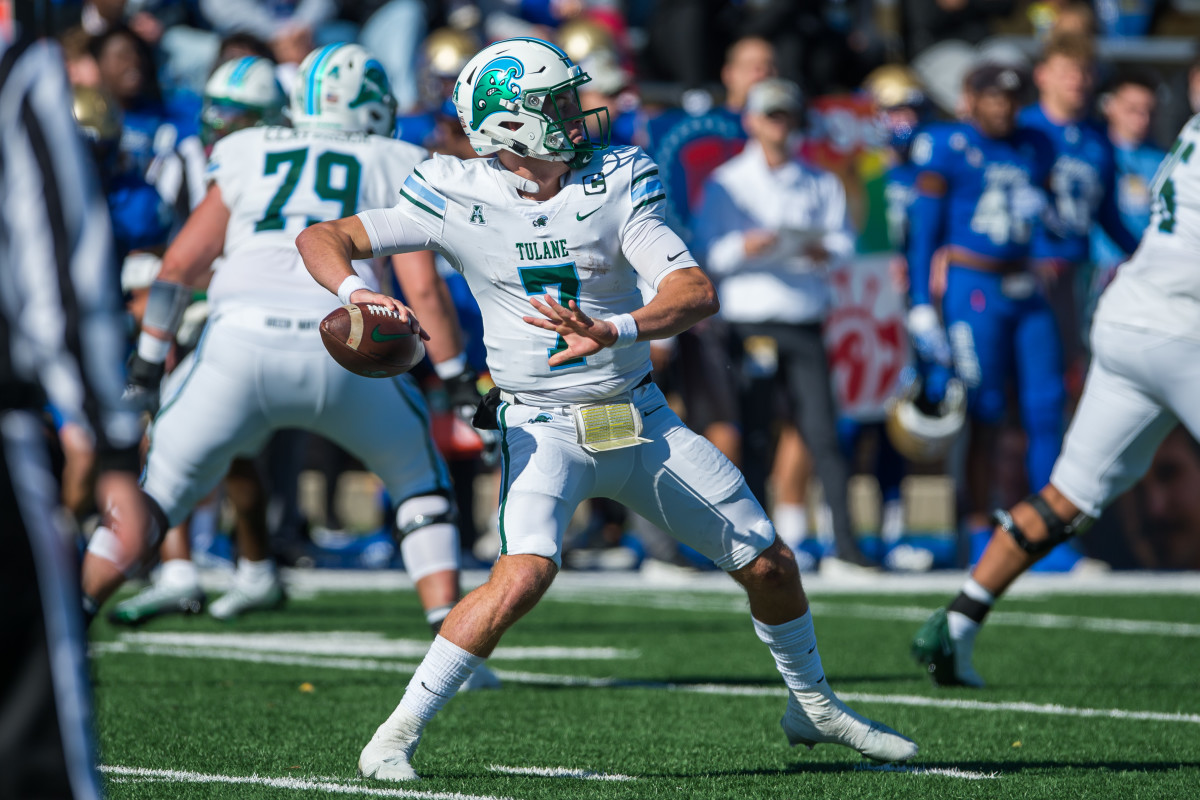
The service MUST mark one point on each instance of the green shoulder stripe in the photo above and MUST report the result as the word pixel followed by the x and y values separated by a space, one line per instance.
pixel 643 176
pixel 419 204
pixel 650 200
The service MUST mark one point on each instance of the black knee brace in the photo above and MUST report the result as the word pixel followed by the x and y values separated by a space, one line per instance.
pixel 418 521
pixel 1057 530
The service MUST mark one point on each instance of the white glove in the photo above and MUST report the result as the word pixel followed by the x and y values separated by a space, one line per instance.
pixel 928 335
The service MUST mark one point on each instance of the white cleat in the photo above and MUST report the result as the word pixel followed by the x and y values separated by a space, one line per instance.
pixel 240 599
pixel 388 757
pixel 481 678
pixel 818 716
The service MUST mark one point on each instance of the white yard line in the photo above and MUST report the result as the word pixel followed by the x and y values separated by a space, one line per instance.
pixel 912 769
pixel 560 772
pixel 358 643
pixel 138 774
pixel 550 679
pixel 737 605
pixel 941 582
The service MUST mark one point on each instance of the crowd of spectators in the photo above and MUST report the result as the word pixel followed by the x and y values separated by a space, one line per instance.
pixel 691 81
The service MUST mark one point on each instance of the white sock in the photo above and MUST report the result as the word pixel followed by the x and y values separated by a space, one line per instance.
pixel 178 573
pixel 255 573
pixel 438 677
pixel 962 627
pixel 977 593
pixel 791 523
pixel 794 645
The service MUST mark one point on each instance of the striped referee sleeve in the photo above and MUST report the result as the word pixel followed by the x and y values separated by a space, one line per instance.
pixel 61 297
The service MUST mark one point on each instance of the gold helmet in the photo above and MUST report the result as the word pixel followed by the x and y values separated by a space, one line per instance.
pixel 447 50
pixel 894 86
pixel 921 434
pixel 97 114
pixel 582 37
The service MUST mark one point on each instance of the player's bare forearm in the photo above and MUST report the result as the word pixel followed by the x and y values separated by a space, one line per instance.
pixel 685 297
pixel 199 243
pixel 429 297
pixel 328 247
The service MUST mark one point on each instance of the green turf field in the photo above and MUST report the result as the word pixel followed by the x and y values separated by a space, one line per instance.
pixel 632 693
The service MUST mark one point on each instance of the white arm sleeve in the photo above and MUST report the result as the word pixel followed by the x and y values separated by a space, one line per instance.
pixel 393 230
pixel 839 231
pixel 654 250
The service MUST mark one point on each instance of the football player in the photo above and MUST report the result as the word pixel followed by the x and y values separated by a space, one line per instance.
pixel 553 233
pixel 261 365
pixel 980 198
pixel 1143 380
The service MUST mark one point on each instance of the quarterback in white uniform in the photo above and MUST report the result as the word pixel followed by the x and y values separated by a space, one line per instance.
pixel 554 235
pixel 1143 381
pixel 261 365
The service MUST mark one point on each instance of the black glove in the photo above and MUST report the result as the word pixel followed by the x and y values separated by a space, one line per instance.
pixel 142 380
pixel 462 394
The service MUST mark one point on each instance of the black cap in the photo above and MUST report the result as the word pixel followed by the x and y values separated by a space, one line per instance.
pixel 995 78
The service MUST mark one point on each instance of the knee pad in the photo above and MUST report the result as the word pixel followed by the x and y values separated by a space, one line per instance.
pixel 132 551
pixel 428 535
pixel 1058 530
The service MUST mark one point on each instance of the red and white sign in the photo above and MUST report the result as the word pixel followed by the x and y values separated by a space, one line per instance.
pixel 865 337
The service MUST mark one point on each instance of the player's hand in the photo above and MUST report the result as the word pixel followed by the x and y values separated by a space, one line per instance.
pixel 928 335
pixel 756 243
pixel 583 335
pixel 142 381
pixel 392 304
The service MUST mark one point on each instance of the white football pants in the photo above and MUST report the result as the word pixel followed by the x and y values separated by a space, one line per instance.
pixel 1140 386
pixel 257 371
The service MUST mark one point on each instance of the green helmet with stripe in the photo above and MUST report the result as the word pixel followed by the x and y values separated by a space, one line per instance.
pixel 341 87
pixel 239 94
pixel 521 95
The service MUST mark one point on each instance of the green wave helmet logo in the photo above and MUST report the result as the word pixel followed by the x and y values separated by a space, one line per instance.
pixel 495 84
pixel 374 85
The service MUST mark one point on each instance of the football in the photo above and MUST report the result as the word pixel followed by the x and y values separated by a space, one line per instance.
pixel 370 340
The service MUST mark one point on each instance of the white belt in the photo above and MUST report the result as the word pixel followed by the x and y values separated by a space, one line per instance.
pixel 272 320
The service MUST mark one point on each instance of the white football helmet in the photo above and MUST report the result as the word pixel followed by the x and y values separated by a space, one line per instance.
pixel 342 87
pixel 239 94
pixel 521 95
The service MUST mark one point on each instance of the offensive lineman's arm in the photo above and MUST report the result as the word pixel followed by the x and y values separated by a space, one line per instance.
pixel 429 298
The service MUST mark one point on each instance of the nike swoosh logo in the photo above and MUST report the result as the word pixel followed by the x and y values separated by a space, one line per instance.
pixel 376 336
pixel 431 691
pixel 677 255
pixel 582 217
pixel 651 411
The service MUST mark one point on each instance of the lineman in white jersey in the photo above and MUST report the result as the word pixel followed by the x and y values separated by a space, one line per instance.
pixel 552 236
pixel 1143 381
pixel 261 365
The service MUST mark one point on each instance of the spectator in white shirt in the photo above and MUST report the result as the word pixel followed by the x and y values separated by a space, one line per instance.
pixel 770 227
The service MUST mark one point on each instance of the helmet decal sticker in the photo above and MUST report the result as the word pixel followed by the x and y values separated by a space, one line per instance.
pixel 495 84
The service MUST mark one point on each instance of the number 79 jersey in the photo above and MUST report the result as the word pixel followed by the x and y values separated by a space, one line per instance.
pixel 275 182
pixel 1159 287
pixel 599 242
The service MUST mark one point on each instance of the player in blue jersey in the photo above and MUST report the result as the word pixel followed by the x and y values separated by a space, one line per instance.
pixel 980 196
pixel 1083 190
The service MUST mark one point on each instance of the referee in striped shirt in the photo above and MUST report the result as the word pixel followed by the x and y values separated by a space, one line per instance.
pixel 61 344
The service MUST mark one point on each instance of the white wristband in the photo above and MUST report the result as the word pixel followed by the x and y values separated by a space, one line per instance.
pixel 451 367
pixel 627 331
pixel 349 286
pixel 152 349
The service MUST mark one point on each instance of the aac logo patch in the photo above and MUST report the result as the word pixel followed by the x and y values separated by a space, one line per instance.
pixel 594 183
pixel 477 215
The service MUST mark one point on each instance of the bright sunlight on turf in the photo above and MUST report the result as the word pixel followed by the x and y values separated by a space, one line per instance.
pixel 637 693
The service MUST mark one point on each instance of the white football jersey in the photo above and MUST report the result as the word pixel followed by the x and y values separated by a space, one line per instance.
pixel 1159 287
pixel 591 243
pixel 275 182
